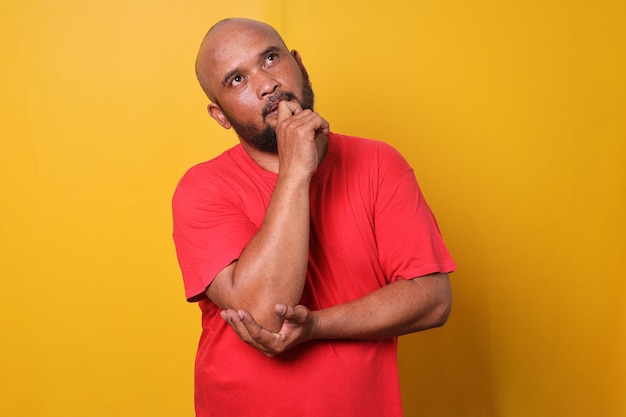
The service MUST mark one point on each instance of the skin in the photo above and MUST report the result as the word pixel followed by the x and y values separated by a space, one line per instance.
pixel 241 65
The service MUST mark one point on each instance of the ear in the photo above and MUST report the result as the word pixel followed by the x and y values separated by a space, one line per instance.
pixel 216 112
pixel 296 55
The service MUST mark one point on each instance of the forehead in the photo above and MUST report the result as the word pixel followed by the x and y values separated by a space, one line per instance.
pixel 231 44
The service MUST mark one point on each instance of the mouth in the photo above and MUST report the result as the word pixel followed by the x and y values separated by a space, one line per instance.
pixel 271 107
pixel 272 112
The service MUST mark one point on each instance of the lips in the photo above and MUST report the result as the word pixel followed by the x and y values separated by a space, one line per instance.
pixel 271 110
pixel 272 102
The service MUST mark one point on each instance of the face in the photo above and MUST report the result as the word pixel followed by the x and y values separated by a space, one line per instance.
pixel 264 139
pixel 248 71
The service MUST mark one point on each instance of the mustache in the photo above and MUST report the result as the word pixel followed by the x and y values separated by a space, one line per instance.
pixel 272 102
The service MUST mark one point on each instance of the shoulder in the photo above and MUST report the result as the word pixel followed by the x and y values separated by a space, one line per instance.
pixel 366 150
pixel 214 173
pixel 208 168
pixel 205 179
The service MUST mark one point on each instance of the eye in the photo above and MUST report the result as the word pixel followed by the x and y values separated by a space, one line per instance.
pixel 236 80
pixel 270 58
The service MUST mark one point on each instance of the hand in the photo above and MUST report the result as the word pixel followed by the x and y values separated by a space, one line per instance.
pixel 297 133
pixel 298 327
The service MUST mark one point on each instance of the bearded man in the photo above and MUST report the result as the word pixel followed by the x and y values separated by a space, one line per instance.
pixel 309 252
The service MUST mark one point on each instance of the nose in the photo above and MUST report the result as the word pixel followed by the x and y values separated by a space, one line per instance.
pixel 267 84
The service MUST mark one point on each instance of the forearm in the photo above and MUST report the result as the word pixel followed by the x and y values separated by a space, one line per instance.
pixel 272 267
pixel 405 306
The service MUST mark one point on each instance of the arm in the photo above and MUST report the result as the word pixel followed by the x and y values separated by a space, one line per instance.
pixel 405 306
pixel 402 307
pixel 272 267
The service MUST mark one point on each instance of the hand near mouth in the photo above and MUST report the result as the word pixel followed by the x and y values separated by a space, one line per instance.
pixel 300 135
pixel 289 108
pixel 274 101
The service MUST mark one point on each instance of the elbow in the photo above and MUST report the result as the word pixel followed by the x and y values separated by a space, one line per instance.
pixel 441 305
pixel 441 312
pixel 437 300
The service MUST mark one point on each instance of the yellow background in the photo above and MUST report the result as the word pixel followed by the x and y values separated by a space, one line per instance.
pixel 513 114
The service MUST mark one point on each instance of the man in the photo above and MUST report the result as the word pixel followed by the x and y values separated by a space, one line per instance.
pixel 309 252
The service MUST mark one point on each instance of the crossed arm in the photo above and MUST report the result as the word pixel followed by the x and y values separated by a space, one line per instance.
pixel 247 288
pixel 280 248
pixel 405 306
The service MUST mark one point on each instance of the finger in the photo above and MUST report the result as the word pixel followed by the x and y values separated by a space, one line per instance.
pixel 297 315
pixel 324 127
pixel 255 331
pixel 250 332
pixel 288 312
pixel 236 321
pixel 252 328
pixel 312 120
pixel 280 309
pixel 227 315
pixel 233 318
pixel 287 109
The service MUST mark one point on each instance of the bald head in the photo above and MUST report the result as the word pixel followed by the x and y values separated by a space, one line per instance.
pixel 219 39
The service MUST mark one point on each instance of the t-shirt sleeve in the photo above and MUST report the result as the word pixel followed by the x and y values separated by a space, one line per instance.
pixel 210 230
pixel 409 240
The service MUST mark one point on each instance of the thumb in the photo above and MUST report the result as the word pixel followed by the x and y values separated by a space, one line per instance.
pixel 299 314
pixel 280 309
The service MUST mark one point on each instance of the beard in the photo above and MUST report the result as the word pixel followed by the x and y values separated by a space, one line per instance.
pixel 264 139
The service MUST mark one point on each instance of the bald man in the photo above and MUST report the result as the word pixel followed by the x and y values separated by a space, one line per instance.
pixel 309 252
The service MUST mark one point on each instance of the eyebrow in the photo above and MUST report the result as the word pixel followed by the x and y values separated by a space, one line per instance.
pixel 234 72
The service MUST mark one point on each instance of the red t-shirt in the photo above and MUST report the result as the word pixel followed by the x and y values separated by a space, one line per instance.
pixel 370 226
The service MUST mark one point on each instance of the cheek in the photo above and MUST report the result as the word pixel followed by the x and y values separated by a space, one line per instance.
pixel 244 112
pixel 243 105
pixel 296 81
